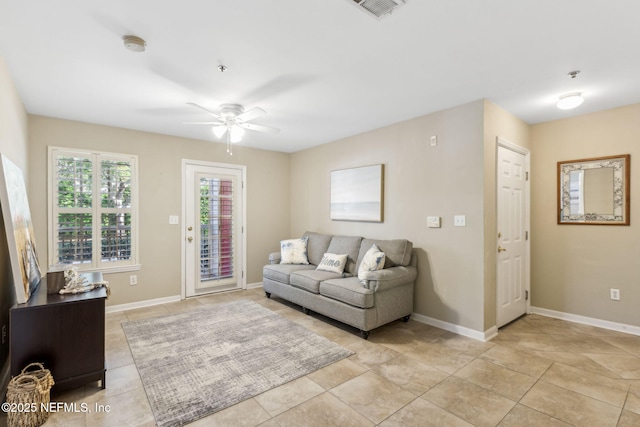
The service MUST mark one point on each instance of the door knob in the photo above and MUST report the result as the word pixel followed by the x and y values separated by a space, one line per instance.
pixel 501 249
pixel 190 238
pixel 190 228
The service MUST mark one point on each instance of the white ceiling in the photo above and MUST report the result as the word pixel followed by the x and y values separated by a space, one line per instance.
pixel 322 69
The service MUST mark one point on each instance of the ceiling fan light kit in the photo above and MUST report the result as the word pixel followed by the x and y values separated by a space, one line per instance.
pixel 235 133
pixel 232 121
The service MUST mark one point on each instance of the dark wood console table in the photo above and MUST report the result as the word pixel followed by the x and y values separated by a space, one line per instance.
pixel 63 332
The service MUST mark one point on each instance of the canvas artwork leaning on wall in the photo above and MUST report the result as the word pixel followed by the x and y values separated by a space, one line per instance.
pixel 19 229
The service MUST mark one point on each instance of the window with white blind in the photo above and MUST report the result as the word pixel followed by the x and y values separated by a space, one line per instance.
pixel 93 210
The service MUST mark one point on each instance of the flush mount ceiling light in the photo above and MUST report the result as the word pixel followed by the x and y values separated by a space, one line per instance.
pixel 570 100
pixel 134 43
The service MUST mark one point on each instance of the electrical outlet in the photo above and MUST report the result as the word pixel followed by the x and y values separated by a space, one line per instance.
pixel 615 294
pixel 133 280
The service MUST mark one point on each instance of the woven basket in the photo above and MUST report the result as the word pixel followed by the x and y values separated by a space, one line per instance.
pixel 29 391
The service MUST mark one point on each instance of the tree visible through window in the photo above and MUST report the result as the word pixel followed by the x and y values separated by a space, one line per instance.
pixel 93 209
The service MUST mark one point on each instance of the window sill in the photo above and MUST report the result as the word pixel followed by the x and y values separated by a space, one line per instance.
pixel 110 270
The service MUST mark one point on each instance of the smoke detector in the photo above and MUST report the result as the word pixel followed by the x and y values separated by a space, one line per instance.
pixel 379 8
pixel 134 43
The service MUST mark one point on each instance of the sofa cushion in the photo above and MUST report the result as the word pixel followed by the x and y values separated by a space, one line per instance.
pixel 282 272
pixel 333 262
pixel 397 252
pixel 294 251
pixel 309 280
pixel 348 290
pixel 317 245
pixel 373 260
pixel 349 245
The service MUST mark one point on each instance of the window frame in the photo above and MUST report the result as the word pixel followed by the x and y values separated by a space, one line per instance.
pixel 96 210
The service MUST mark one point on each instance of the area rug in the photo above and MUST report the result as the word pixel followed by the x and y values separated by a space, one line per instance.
pixel 196 363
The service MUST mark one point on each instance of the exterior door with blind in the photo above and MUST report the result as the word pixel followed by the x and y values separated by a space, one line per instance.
pixel 213 226
pixel 512 240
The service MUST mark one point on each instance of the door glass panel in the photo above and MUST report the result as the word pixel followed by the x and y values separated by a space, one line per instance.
pixel 216 229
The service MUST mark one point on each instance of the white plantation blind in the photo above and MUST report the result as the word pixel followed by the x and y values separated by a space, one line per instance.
pixel 73 205
pixel 93 209
pixel 216 228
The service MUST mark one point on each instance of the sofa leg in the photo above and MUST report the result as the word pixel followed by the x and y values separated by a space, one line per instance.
pixel 305 310
pixel 268 294
pixel 405 319
pixel 364 334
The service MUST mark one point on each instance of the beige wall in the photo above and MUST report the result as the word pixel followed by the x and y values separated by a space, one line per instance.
pixel 420 181
pixel 574 266
pixel 13 144
pixel 13 121
pixel 497 123
pixel 160 164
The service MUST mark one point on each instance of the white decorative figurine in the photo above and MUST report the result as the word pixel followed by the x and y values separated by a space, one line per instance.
pixel 76 284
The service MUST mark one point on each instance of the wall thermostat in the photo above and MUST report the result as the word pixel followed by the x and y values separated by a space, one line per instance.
pixel 433 221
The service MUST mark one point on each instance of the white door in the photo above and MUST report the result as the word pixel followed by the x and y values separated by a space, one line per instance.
pixel 213 242
pixel 512 247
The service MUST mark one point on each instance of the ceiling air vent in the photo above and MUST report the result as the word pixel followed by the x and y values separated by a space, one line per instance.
pixel 379 8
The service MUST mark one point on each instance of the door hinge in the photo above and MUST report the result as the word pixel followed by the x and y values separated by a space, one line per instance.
pixel 526 235
pixel 526 295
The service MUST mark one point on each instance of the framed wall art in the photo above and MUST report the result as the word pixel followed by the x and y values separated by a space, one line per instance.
pixel 19 230
pixel 357 194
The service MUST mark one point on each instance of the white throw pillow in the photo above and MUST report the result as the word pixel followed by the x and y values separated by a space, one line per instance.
pixel 332 262
pixel 373 260
pixel 294 251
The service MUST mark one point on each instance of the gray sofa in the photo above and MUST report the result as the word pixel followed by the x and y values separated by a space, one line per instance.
pixel 385 296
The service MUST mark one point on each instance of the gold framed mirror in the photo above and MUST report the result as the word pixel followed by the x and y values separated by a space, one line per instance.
pixel 594 191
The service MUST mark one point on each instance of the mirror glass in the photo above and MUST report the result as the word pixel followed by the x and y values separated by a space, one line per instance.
pixel 594 191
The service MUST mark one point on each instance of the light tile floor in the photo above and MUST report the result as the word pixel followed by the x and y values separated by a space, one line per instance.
pixel 538 372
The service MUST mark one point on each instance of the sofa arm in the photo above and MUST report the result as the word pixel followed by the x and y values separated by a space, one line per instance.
pixel 274 258
pixel 389 278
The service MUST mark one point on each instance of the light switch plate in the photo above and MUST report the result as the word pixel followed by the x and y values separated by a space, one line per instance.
pixel 433 221
pixel 460 220
pixel 173 219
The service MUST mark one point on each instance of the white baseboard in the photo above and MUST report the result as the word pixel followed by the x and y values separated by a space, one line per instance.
pixel 605 324
pixel 254 285
pixel 158 301
pixel 460 330
pixel 142 304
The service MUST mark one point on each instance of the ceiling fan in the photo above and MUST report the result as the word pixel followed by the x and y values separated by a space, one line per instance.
pixel 232 120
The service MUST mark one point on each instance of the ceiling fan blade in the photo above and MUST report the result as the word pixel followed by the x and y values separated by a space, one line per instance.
pixel 251 114
pixel 203 123
pixel 258 128
pixel 216 115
